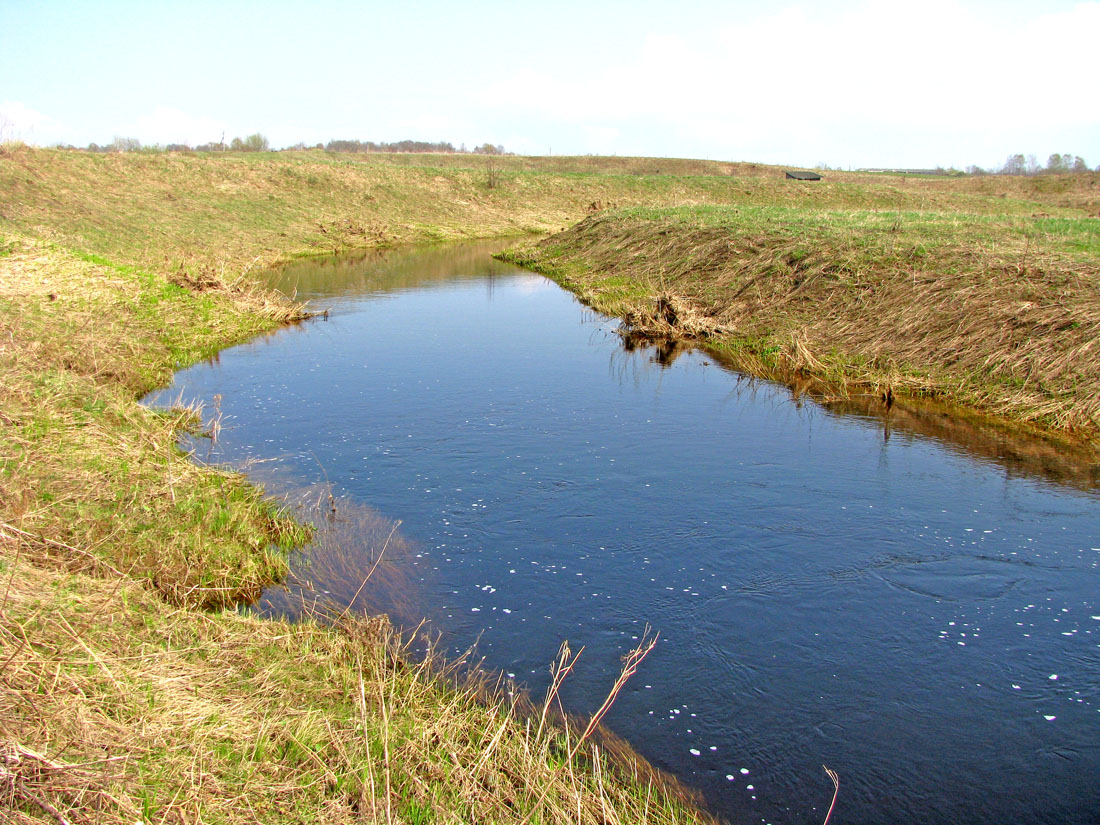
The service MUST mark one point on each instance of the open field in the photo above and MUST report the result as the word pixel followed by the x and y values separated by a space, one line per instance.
pixel 129 691
pixel 227 212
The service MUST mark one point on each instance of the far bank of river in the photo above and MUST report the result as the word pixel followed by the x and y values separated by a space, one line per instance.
pixel 999 316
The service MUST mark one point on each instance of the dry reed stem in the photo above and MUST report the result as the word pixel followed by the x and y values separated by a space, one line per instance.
pixel 836 792
pixel 630 666
pixel 559 671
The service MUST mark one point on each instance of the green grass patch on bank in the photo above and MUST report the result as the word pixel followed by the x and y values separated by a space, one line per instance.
pixel 85 467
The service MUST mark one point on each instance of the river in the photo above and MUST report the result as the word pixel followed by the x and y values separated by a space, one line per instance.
pixel 917 611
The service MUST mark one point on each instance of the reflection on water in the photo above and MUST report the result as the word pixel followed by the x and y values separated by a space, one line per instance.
pixel 358 559
pixel 385 270
pixel 1019 453
pixel 920 612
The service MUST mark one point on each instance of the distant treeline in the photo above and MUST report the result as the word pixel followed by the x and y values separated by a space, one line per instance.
pixel 252 143
pixel 410 146
pixel 1057 164
pixel 259 143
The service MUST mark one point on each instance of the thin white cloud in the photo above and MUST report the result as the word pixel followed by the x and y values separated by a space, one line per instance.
pixel 166 125
pixel 896 70
pixel 20 122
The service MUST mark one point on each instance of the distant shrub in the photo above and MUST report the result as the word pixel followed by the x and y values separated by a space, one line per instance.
pixel 252 143
pixel 124 144
pixel 445 147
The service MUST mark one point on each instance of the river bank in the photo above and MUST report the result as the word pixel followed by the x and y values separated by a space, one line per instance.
pixel 536 465
pixel 999 315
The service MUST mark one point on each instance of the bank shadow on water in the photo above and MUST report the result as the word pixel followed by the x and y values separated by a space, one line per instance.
pixel 1019 450
pixel 884 591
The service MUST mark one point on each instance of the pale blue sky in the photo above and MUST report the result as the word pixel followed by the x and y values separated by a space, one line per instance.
pixel 845 82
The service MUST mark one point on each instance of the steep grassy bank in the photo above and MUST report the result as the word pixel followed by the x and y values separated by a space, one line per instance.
pixel 223 213
pixel 1000 313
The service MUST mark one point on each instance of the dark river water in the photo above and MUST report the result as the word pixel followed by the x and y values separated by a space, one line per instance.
pixel 917 612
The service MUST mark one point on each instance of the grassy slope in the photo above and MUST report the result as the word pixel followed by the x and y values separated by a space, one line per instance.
pixel 227 212
pixel 116 270
pixel 999 311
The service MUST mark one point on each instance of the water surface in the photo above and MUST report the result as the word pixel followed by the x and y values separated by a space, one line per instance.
pixel 830 588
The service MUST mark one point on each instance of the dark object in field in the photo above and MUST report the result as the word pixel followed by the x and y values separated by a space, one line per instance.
pixel 803 176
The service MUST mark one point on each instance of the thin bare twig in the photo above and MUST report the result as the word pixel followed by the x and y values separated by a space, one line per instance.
pixel 836 791
pixel 630 667
pixel 370 572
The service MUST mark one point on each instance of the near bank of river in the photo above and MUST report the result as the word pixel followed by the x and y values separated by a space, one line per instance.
pixel 830 588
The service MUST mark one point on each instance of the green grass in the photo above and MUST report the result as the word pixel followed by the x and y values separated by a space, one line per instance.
pixel 87 467
pixel 880 230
